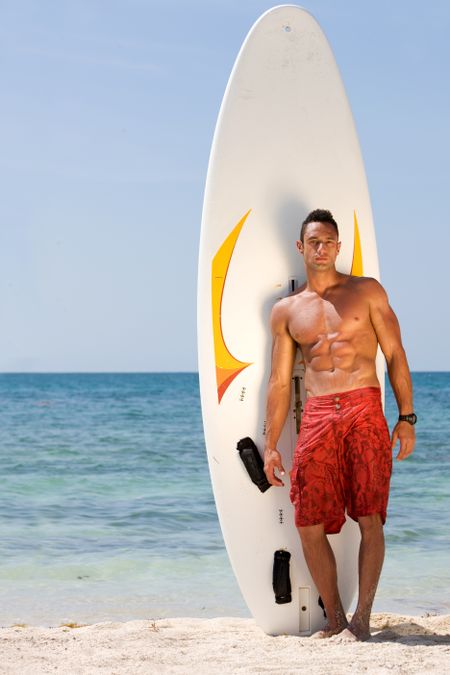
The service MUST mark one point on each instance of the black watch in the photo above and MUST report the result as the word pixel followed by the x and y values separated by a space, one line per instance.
pixel 412 418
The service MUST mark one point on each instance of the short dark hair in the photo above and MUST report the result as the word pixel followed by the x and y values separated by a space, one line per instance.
pixel 318 216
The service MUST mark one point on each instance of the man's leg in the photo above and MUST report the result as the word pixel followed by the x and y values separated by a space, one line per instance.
pixel 371 556
pixel 322 566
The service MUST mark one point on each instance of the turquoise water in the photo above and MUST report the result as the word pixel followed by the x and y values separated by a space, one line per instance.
pixel 106 509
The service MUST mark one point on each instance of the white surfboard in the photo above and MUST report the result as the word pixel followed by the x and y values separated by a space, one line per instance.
pixel 285 143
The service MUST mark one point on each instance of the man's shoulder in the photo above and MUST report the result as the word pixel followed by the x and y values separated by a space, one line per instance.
pixel 365 285
pixel 370 292
pixel 283 307
pixel 288 300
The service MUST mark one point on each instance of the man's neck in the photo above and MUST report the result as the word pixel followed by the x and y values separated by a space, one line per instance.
pixel 319 282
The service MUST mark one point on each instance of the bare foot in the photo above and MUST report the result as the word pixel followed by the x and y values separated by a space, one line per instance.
pixel 360 628
pixel 349 634
pixel 328 632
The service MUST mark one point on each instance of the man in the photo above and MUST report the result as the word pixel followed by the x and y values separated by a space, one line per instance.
pixel 343 458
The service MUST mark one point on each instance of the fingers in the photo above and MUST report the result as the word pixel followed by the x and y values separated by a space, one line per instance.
pixel 406 448
pixel 394 438
pixel 273 463
pixel 275 481
pixel 406 435
pixel 272 478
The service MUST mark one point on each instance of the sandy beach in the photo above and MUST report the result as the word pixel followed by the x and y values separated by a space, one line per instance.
pixel 399 644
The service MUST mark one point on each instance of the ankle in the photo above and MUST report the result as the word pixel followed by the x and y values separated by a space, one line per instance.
pixel 360 620
pixel 336 618
pixel 360 627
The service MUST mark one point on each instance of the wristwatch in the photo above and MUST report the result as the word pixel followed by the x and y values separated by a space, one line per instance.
pixel 411 418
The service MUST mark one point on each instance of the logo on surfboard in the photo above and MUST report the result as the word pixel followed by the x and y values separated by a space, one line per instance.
pixel 227 366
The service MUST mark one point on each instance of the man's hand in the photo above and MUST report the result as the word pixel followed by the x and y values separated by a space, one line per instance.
pixel 406 434
pixel 272 461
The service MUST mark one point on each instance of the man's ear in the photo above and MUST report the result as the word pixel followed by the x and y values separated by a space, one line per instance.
pixel 300 246
pixel 338 246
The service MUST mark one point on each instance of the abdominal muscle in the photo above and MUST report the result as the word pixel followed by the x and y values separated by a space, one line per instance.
pixel 333 367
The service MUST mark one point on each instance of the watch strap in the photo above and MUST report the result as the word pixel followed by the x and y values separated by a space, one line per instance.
pixel 411 418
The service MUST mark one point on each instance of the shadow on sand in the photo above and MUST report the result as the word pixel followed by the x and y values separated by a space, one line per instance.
pixel 408 633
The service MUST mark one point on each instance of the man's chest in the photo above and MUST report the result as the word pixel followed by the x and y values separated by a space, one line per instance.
pixel 339 316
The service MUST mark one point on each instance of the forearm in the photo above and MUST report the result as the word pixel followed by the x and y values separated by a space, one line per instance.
pixel 278 400
pixel 400 379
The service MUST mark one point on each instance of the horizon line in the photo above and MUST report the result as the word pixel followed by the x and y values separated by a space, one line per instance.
pixel 139 372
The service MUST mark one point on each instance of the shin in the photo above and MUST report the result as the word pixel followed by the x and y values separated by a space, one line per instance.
pixel 322 566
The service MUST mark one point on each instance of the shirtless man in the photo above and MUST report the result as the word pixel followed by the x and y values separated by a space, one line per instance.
pixel 343 457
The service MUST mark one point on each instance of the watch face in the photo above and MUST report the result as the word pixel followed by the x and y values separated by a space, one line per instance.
pixel 412 419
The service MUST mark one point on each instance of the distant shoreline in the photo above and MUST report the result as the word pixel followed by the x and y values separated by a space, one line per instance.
pixel 149 372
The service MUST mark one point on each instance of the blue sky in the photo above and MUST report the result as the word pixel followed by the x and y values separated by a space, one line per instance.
pixel 107 116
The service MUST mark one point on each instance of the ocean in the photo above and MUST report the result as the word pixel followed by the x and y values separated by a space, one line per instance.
pixel 107 513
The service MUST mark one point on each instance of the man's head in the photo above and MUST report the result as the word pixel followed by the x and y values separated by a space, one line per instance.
pixel 318 216
pixel 319 241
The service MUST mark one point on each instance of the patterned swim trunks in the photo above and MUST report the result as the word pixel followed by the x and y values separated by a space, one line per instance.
pixel 342 461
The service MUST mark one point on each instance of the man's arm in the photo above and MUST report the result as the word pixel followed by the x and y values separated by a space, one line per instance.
pixel 387 330
pixel 279 391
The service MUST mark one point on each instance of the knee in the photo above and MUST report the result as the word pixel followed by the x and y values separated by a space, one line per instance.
pixel 370 525
pixel 311 534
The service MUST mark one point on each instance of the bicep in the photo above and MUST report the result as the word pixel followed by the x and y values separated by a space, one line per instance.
pixel 385 323
pixel 284 348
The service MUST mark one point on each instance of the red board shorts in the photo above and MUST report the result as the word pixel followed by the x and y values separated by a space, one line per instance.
pixel 342 461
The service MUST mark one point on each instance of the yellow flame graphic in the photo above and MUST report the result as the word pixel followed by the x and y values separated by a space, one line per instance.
pixel 357 262
pixel 227 366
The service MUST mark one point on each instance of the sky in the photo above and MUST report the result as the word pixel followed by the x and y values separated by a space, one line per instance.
pixel 107 114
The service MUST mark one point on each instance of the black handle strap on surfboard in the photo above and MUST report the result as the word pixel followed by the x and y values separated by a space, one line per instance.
pixel 281 581
pixel 253 463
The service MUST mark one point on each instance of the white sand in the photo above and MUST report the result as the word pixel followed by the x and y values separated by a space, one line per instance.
pixel 399 644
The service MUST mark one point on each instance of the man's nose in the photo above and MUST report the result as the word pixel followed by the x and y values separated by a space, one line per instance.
pixel 320 246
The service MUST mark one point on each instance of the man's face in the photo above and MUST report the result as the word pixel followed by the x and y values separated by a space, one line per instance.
pixel 320 246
